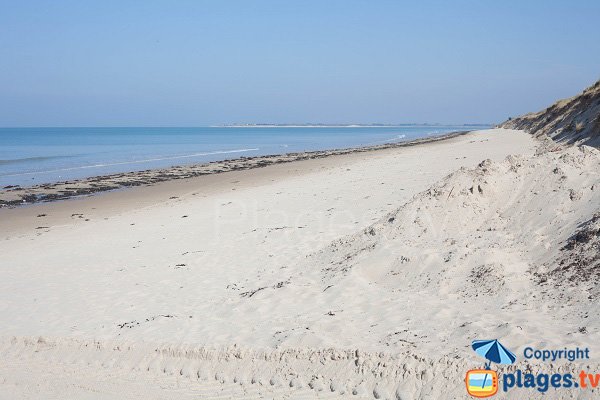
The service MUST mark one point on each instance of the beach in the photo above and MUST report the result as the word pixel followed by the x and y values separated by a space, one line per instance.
pixel 299 200
pixel 362 274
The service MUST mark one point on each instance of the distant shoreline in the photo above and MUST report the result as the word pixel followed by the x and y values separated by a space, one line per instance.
pixel 15 195
pixel 341 125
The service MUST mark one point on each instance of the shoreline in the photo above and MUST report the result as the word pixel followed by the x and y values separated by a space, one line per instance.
pixel 15 195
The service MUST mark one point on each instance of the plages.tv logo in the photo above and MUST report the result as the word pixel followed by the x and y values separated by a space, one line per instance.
pixel 484 382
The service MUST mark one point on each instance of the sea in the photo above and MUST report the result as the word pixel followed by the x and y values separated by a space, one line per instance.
pixel 31 156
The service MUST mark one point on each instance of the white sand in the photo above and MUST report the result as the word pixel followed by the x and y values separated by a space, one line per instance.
pixel 358 273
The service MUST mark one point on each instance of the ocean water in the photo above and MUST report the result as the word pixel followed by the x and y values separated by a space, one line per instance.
pixel 30 156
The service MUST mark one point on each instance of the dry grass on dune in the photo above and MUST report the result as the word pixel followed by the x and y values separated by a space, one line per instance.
pixel 574 121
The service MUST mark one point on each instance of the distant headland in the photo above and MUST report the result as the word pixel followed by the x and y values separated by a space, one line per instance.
pixel 323 125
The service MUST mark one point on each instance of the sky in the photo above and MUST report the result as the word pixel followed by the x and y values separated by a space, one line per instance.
pixel 196 63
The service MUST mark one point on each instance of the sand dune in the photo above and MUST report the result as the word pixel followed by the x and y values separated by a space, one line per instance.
pixel 359 275
pixel 575 120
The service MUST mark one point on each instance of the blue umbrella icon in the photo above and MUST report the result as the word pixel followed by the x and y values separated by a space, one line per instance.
pixel 493 351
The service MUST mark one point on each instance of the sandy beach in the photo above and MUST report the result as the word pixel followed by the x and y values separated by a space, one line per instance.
pixel 276 200
pixel 358 274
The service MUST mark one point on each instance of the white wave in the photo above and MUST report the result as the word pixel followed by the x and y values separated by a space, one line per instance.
pixel 390 140
pixel 134 162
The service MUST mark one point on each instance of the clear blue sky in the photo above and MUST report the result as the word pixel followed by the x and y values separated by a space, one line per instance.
pixel 191 63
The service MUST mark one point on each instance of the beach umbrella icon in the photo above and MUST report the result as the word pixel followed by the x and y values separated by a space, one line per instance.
pixel 493 351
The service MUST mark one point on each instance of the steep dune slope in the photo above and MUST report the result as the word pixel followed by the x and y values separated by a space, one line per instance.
pixel 574 120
